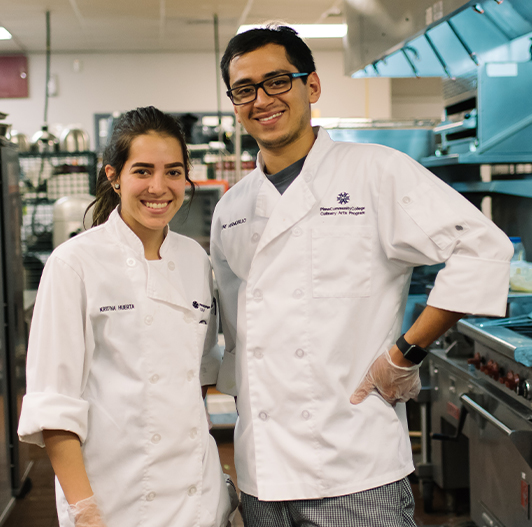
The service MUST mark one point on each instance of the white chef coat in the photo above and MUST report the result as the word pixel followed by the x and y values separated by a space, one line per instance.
pixel 313 285
pixel 119 348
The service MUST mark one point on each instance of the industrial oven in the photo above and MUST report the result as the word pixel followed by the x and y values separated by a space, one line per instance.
pixel 481 414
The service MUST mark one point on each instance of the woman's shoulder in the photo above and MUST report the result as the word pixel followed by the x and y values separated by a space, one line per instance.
pixel 185 243
pixel 76 248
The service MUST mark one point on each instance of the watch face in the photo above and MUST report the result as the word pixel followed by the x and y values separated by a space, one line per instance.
pixel 415 354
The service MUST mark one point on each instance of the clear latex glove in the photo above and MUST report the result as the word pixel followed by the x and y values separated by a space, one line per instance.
pixel 396 384
pixel 86 513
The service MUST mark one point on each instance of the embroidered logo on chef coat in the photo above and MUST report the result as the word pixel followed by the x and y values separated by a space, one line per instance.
pixel 235 223
pixel 342 211
pixel 343 198
pixel 201 307
pixel 119 307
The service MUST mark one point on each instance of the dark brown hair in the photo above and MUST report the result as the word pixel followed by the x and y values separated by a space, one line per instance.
pixel 129 126
pixel 297 52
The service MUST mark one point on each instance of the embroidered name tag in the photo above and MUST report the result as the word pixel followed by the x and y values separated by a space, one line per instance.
pixel 119 307
pixel 234 223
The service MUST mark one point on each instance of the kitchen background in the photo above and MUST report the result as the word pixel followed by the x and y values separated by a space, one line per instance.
pixel 447 81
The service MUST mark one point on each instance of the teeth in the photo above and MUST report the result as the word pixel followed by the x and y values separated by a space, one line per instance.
pixel 270 118
pixel 156 205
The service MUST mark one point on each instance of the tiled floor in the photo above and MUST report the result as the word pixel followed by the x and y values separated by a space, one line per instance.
pixel 37 509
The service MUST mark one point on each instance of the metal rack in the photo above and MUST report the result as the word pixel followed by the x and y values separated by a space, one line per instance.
pixel 44 178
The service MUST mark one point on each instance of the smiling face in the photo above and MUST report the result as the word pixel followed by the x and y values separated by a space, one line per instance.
pixel 152 184
pixel 279 121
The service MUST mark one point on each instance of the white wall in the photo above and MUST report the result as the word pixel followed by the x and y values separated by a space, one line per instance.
pixel 179 82
pixel 417 98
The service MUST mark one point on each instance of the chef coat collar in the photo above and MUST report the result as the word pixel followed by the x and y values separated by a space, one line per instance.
pixel 127 236
pixel 299 198
pixel 315 153
pixel 158 286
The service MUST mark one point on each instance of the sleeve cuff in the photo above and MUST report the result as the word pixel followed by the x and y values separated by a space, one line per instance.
pixel 226 377
pixel 473 286
pixel 52 411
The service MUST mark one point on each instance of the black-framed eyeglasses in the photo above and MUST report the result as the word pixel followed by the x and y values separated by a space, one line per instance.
pixel 272 86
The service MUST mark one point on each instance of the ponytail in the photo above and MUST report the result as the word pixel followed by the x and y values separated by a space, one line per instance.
pixel 106 199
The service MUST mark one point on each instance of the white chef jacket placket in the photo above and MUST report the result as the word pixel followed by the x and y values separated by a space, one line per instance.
pixel 283 220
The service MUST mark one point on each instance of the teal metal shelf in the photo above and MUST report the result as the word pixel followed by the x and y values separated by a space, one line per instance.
pixel 517 187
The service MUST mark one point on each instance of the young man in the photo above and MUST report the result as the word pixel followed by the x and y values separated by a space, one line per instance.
pixel 313 253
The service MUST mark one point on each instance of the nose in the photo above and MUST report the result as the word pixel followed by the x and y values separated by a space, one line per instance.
pixel 157 183
pixel 263 99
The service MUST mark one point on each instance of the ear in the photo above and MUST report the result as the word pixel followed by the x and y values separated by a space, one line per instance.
pixel 314 87
pixel 110 172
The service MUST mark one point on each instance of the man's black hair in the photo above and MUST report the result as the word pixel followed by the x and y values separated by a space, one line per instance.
pixel 297 52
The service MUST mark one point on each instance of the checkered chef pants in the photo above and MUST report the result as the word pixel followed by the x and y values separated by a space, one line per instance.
pixel 391 505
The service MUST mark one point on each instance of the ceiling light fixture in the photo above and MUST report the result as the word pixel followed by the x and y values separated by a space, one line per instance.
pixel 310 30
pixel 5 34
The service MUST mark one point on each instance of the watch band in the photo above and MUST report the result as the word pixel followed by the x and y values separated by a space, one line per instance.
pixel 411 352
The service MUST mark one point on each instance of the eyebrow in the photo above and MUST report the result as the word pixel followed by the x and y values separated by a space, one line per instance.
pixel 151 165
pixel 242 82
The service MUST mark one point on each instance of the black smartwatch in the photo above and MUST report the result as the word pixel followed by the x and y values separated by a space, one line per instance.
pixel 411 352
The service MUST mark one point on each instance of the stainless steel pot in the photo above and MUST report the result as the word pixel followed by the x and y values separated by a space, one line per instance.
pixel 20 139
pixel 74 140
pixel 43 141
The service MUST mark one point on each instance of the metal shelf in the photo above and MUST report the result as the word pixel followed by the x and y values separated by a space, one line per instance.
pixel 517 187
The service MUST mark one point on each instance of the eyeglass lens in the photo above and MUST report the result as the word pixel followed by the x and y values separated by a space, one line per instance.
pixel 273 86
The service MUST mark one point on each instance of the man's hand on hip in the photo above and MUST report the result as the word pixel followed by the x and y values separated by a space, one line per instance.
pixel 396 383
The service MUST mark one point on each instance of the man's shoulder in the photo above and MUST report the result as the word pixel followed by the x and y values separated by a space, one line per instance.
pixel 365 149
pixel 240 191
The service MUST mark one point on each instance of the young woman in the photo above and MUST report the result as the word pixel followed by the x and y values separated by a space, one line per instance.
pixel 123 337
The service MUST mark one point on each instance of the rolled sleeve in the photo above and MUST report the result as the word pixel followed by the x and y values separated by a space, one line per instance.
pixel 431 223
pixel 58 361
pixel 474 286
pixel 52 411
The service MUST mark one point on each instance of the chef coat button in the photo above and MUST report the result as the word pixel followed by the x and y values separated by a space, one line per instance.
pixel 406 200
pixel 171 266
pixel 459 227
pixel 258 353
pixel 188 318
pixel 131 262
pixel 308 177
pixel 190 375
pixel 192 490
pixel 305 414
pixel 154 379
pixel 300 353
pixel 155 438
pixel 193 433
pixel 150 496
pixel 263 416
pixel 148 320
pixel 298 293
pixel 297 232
pixel 257 294
pixel 255 238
